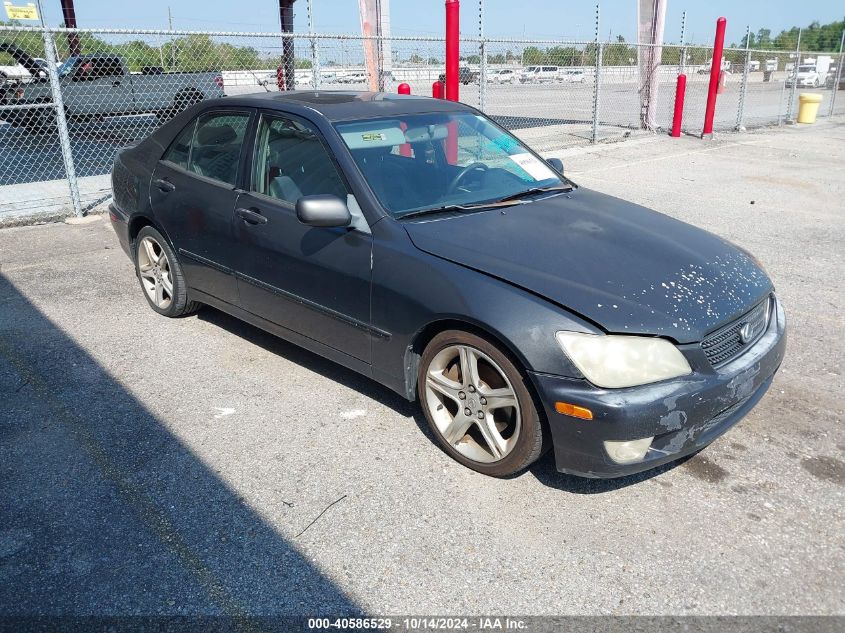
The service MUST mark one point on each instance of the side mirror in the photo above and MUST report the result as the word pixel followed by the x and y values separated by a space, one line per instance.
pixel 557 164
pixel 323 210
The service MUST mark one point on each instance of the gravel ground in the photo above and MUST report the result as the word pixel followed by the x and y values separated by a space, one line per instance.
pixel 155 466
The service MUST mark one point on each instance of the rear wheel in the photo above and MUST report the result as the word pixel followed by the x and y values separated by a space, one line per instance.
pixel 478 404
pixel 160 275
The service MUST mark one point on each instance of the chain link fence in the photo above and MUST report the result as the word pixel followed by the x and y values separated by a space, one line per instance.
pixel 70 98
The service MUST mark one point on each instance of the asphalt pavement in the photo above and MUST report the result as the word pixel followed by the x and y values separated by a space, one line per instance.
pixel 201 466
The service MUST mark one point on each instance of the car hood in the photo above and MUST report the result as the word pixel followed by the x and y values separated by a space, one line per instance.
pixel 626 268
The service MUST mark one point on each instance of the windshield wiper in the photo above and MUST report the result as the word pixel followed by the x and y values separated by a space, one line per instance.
pixel 460 207
pixel 534 191
pixel 507 201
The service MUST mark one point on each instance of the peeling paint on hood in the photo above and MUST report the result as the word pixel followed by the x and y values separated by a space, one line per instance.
pixel 627 268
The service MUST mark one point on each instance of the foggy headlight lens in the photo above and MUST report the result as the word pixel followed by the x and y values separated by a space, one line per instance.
pixel 623 361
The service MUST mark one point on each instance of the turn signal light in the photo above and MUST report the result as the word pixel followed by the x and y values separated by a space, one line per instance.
pixel 573 410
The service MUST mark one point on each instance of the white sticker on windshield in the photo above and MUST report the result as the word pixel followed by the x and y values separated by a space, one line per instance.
pixel 535 168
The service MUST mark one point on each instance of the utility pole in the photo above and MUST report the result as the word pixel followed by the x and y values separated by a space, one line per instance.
pixel 286 23
pixel 69 17
pixel 172 41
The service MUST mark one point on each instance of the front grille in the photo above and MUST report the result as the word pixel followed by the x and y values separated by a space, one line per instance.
pixel 726 343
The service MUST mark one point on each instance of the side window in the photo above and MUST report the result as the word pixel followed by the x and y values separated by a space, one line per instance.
pixel 216 147
pixel 291 162
pixel 180 149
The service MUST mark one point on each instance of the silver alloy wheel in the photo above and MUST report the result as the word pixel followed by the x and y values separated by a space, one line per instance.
pixel 473 404
pixel 154 268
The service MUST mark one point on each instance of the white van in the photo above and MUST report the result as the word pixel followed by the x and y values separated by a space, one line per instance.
pixel 540 74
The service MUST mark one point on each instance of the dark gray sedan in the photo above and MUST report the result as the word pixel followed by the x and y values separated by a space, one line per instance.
pixel 417 242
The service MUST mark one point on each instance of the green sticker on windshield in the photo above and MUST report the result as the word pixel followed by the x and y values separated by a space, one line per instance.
pixel 374 136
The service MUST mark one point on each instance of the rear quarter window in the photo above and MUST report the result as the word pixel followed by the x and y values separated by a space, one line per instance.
pixel 179 151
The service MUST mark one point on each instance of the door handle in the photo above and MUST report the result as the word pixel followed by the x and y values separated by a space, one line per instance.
pixel 164 185
pixel 250 217
pixel 115 84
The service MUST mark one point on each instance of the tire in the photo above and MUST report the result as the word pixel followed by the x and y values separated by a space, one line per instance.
pixel 496 438
pixel 160 275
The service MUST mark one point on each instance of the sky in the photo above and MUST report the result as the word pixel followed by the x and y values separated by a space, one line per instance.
pixel 546 19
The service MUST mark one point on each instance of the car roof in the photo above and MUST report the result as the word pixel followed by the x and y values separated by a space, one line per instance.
pixel 341 105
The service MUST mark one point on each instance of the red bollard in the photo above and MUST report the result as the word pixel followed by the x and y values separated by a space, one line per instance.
pixel 403 89
pixel 437 89
pixel 453 30
pixel 715 71
pixel 452 143
pixel 680 91
pixel 280 78
pixel 405 149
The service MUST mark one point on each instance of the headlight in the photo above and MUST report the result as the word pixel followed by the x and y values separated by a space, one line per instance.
pixel 623 361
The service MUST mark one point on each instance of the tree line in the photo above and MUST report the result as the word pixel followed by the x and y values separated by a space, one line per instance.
pixel 197 51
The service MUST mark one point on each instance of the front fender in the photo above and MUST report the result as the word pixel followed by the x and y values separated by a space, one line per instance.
pixel 413 291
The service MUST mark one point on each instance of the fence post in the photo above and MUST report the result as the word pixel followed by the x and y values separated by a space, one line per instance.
pixel 795 65
pixel 597 86
pixel 61 122
pixel 315 53
pixel 838 77
pixel 740 111
pixel 482 52
pixel 683 61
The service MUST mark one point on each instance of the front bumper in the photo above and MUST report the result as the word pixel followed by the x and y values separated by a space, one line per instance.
pixel 683 415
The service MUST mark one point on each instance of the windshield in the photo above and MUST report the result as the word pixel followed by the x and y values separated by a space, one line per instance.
pixel 806 69
pixel 433 160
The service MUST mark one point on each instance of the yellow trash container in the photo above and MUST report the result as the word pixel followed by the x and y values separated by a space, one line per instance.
pixel 808 107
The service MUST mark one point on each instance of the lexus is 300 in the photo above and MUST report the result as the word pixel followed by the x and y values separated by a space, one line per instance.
pixel 417 242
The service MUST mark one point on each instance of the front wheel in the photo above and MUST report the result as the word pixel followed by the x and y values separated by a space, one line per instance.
pixel 479 405
pixel 160 275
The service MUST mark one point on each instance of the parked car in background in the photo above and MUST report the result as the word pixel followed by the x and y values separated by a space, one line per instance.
pixel 540 74
pixel 502 76
pixel 356 77
pixel 808 76
pixel 575 76
pixel 101 85
pixel 465 75
pixel 523 312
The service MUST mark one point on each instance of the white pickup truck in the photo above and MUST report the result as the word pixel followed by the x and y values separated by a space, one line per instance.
pixel 95 86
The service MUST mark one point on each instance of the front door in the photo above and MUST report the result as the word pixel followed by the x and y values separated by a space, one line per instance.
pixel 193 194
pixel 314 281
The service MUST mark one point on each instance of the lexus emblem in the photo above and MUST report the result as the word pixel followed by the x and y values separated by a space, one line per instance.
pixel 746 332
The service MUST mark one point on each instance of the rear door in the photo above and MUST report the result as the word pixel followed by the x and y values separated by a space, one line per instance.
pixel 193 194
pixel 314 281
